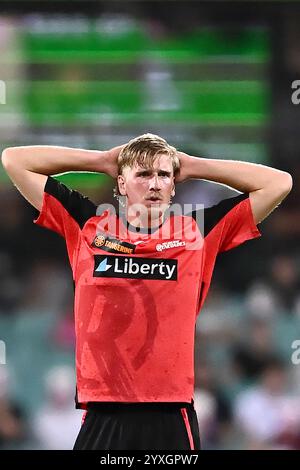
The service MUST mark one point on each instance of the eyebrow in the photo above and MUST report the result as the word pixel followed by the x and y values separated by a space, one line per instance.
pixel 150 171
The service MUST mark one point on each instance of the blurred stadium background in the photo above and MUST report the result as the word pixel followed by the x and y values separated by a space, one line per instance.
pixel 214 79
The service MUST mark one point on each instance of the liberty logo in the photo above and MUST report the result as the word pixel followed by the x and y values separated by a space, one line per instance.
pixel 135 268
pixel 103 266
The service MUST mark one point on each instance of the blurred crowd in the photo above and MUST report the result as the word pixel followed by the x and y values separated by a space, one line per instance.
pixel 248 384
pixel 247 387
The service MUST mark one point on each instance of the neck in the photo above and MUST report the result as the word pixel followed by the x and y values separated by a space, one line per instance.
pixel 144 221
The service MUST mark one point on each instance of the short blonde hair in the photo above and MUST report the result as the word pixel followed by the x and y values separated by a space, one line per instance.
pixel 144 149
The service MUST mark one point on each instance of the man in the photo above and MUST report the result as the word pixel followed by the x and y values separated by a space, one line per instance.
pixel 141 276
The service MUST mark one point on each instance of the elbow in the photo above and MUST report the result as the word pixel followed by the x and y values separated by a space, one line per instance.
pixel 286 183
pixel 6 156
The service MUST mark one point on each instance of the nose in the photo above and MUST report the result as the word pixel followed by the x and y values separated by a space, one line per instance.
pixel 155 183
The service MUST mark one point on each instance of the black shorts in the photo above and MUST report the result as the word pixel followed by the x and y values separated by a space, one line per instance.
pixel 139 426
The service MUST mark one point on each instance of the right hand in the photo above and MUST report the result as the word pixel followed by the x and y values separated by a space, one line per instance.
pixel 112 161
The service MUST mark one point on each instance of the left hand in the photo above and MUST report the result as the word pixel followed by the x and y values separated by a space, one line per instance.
pixel 185 161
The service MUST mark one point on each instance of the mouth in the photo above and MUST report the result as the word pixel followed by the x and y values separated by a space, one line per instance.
pixel 154 199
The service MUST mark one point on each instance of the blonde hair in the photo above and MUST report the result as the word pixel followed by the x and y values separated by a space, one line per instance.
pixel 144 149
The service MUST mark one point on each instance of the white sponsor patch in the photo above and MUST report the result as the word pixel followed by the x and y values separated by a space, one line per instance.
pixel 168 245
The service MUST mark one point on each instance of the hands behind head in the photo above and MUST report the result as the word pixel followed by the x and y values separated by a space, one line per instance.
pixel 185 161
pixel 112 161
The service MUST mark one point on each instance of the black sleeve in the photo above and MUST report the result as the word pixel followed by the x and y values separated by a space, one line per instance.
pixel 62 207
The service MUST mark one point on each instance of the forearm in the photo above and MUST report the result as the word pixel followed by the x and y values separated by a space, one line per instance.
pixel 242 176
pixel 51 160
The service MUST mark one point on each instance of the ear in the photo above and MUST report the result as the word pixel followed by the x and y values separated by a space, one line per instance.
pixel 122 185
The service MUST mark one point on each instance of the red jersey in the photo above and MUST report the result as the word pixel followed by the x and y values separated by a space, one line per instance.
pixel 138 293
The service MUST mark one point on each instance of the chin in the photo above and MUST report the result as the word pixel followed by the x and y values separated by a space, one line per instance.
pixel 155 212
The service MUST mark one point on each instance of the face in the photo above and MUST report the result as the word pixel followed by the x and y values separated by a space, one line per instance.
pixel 148 190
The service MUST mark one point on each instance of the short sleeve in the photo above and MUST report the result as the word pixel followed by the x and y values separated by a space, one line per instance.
pixel 63 206
pixel 224 226
pixel 231 222
pixel 64 211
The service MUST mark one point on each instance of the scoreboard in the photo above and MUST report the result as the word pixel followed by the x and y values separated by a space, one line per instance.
pixel 97 82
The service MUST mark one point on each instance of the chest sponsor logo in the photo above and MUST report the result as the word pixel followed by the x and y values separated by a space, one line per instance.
pixel 167 245
pixel 113 245
pixel 135 268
